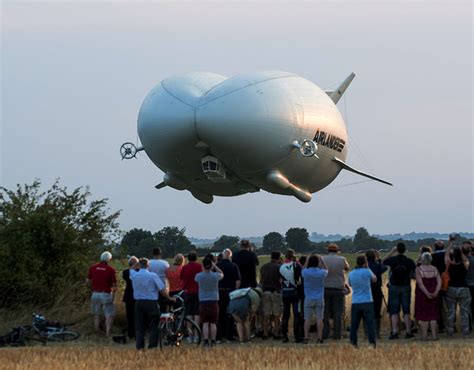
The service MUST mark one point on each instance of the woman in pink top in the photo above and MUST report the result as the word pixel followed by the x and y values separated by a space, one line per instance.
pixel 173 275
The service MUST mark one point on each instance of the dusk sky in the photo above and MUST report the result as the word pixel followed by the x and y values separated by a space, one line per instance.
pixel 75 73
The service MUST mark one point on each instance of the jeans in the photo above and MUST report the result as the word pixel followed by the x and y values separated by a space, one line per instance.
pixel 454 296
pixel 333 307
pixel 399 296
pixel 225 329
pixel 147 316
pixel 288 305
pixel 361 311
pixel 471 290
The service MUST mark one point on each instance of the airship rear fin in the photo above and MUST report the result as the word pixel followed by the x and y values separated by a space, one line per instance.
pixel 337 94
pixel 352 169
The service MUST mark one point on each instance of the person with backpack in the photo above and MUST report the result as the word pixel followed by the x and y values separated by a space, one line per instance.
pixel 290 272
pixel 242 306
pixel 402 271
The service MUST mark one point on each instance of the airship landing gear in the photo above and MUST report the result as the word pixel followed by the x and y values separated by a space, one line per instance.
pixel 308 148
pixel 129 150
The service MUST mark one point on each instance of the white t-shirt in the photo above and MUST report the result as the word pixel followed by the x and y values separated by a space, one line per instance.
pixel 159 267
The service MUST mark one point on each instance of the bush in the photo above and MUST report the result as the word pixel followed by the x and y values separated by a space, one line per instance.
pixel 47 241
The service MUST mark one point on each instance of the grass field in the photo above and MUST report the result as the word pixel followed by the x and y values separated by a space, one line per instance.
pixel 94 351
pixel 413 355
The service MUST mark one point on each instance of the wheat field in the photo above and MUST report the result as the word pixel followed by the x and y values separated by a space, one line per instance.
pixel 408 355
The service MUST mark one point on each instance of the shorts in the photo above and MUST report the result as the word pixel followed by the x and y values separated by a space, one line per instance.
pixel 209 312
pixel 399 296
pixel 102 303
pixel 271 303
pixel 240 307
pixel 191 304
pixel 311 307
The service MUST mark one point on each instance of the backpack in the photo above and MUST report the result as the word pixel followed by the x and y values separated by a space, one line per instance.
pixel 239 293
pixel 400 274
pixel 288 284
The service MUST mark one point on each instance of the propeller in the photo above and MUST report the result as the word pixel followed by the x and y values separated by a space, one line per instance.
pixel 128 150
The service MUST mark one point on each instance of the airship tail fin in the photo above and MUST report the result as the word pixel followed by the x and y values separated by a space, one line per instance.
pixel 337 94
pixel 352 169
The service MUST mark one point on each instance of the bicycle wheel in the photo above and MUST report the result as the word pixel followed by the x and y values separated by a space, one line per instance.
pixel 63 336
pixel 161 334
pixel 190 329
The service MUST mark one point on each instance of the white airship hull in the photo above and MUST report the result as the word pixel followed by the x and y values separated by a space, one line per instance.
pixel 221 136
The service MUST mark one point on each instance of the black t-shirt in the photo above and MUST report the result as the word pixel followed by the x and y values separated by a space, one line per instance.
pixel 457 275
pixel 438 260
pixel 231 274
pixel 247 262
pixel 402 269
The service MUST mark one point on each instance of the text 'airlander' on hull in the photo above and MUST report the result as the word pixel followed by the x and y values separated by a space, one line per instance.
pixel 213 135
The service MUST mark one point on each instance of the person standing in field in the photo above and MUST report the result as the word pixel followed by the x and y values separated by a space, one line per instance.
pixel 438 261
pixel 247 262
pixel 334 290
pixel 147 286
pixel 402 271
pixel 428 286
pixel 469 248
pixel 102 278
pixel 458 290
pixel 208 282
pixel 314 275
pixel 376 266
pixel 300 292
pixel 173 275
pixel 159 267
pixel 290 272
pixel 230 282
pixel 128 297
pixel 271 297
pixel 191 288
pixel 361 279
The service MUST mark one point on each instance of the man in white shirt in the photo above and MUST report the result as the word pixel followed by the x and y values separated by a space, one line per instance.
pixel 147 286
pixel 159 267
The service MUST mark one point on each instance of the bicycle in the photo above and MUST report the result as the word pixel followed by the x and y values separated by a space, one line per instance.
pixel 175 326
pixel 50 330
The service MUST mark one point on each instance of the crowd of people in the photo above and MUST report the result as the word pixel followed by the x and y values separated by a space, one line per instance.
pixel 223 295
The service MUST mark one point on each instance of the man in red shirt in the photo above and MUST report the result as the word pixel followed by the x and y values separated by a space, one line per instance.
pixel 102 278
pixel 191 288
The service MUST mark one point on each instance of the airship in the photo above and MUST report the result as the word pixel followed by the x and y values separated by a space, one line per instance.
pixel 218 136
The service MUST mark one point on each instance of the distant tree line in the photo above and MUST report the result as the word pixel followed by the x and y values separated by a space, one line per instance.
pixel 173 240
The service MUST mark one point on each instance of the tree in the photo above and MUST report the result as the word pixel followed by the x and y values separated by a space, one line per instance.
pixel 47 241
pixel 360 236
pixel 225 241
pixel 297 239
pixel 172 240
pixel 135 241
pixel 273 241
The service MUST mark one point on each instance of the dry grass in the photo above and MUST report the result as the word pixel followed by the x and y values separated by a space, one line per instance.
pixel 414 355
